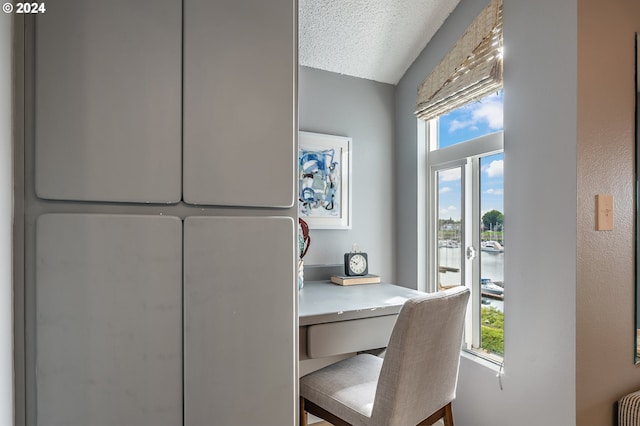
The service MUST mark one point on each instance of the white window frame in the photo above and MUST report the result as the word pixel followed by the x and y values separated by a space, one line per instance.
pixel 466 154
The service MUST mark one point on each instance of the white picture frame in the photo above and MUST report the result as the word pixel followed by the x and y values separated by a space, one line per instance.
pixel 324 180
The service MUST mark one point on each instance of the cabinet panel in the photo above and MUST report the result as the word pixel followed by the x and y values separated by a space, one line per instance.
pixel 240 316
pixel 239 102
pixel 108 101
pixel 108 320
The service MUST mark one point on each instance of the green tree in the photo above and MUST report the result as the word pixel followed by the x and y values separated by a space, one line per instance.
pixel 492 330
pixel 492 219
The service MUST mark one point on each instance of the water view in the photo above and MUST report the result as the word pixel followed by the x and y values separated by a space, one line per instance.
pixel 491 268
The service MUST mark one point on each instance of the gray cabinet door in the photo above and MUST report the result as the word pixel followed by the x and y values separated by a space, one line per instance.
pixel 108 101
pixel 108 320
pixel 240 316
pixel 239 102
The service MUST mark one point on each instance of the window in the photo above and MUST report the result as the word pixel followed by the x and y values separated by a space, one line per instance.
pixel 459 107
pixel 466 216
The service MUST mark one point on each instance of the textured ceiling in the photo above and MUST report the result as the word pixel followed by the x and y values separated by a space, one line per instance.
pixel 372 39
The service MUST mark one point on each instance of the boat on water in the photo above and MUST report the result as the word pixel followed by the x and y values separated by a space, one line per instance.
pixel 448 244
pixel 489 288
pixel 491 246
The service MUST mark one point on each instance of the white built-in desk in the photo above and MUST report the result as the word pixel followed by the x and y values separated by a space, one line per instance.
pixel 337 321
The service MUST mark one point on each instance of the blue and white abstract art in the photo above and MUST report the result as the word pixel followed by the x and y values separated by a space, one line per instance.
pixel 323 173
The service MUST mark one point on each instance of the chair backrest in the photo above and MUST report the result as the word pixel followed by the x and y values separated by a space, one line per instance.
pixel 420 369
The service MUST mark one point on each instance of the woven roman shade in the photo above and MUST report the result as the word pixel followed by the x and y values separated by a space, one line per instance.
pixel 471 70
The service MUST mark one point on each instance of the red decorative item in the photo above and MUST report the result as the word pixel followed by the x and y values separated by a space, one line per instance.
pixel 305 239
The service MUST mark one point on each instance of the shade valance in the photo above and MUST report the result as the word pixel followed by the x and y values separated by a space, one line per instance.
pixel 471 70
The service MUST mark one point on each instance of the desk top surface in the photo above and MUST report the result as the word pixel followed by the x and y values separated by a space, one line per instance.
pixel 323 301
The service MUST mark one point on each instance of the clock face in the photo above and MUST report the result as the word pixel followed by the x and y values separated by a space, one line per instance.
pixel 357 264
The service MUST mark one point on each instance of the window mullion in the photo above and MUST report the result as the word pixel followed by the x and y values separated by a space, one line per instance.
pixel 432 273
pixel 472 242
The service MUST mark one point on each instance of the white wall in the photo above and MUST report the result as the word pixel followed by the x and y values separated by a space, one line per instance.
pixel 6 220
pixel 363 110
pixel 409 258
pixel 540 213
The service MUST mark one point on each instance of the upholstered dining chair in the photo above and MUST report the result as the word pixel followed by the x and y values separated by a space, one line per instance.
pixel 413 384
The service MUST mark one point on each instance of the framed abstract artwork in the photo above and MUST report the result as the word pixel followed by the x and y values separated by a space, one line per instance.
pixel 324 181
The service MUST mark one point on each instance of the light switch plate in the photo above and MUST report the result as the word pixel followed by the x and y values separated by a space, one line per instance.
pixel 604 216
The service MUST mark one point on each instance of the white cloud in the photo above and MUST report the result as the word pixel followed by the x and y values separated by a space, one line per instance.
pixel 488 111
pixel 449 175
pixel 449 210
pixel 457 124
pixel 491 112
pixel 494 191
pixel 445 189
pixel 495 168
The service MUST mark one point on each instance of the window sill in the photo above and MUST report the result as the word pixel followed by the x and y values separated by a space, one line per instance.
pixel 493 363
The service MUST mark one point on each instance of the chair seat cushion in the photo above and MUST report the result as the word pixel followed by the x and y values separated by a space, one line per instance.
pixel 346 389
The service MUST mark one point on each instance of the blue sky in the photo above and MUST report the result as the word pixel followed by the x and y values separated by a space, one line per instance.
pixel 468 122
pixel 472 120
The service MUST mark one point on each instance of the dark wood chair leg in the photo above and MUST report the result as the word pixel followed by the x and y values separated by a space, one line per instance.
pixel 303 414
pixel 448 415
pixel 318 411
pixel 445 413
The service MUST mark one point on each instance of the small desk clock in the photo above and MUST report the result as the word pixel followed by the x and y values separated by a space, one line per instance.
pixel 356 264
